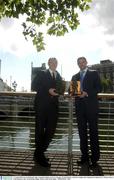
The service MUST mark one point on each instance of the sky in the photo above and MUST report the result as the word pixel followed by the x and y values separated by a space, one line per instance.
pixel 94 39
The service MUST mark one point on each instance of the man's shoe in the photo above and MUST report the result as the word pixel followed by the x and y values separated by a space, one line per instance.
pixel 37 155
pixel 42 160
pixel 44 163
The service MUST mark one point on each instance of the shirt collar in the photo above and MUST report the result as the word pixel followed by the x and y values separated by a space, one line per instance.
pixel 84 70
pixel 52 72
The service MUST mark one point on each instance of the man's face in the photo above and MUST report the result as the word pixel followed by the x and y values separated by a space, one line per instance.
pixel 52 64
pixel 82 63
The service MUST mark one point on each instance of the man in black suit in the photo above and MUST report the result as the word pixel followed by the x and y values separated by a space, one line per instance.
pixel 46 110
pixel 86 106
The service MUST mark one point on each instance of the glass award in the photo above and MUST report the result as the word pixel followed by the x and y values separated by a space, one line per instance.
pixel 60 87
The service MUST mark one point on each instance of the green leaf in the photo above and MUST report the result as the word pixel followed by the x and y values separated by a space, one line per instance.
pixel 58 16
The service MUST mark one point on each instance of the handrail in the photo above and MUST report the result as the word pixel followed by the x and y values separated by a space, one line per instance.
pixel 106 95
pixel 10 93
pixel 20 115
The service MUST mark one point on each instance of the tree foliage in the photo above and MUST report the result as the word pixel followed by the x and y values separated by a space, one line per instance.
pixel 106 85
pixel 58 15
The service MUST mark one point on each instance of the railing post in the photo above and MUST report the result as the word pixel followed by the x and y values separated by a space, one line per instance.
pixel 14 109
pixel 70 124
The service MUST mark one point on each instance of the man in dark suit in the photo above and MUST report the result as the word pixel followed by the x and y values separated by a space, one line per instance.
pixel 46 110
pixel 86 106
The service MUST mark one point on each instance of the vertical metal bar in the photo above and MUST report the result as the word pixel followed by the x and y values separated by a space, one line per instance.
pixel 14 110
pixel 70 123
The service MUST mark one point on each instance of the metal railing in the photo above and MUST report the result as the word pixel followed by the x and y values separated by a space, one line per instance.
pixel 17 123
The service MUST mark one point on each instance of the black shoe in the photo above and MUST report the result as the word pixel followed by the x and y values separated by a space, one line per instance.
pixel 42 160
pixel 37 155
pixel 43 163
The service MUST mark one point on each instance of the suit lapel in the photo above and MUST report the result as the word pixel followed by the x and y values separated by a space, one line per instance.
pixel 50 77
pixel 48 74
pixel 86 75
pixel 57 76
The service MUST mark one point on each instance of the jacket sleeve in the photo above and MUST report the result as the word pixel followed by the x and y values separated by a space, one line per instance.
pixel 97 84
pixel 93 84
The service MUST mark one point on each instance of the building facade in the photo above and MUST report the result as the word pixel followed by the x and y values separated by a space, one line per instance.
pixel 4 86
pixel 35 71
pixel 106 71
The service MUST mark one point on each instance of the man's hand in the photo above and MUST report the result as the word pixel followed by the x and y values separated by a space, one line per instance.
pixel 52 92
pixel 84 94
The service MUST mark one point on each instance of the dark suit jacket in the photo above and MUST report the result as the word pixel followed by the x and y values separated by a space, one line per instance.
pixel 42 83
pixel 91 85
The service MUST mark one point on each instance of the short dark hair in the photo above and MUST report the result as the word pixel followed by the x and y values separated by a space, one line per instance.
pixel 81 58
pixel 52 59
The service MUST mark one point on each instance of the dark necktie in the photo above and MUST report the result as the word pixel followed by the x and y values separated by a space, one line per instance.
pixel 53 75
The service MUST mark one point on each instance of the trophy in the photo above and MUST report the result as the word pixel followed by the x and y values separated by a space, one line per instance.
pixel 75 88
pixel 60 87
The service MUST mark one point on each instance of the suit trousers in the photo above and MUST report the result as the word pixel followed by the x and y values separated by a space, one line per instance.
pixel 45 125
pixel 87 125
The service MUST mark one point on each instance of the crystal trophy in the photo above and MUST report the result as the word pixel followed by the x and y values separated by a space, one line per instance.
pixel 60 87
